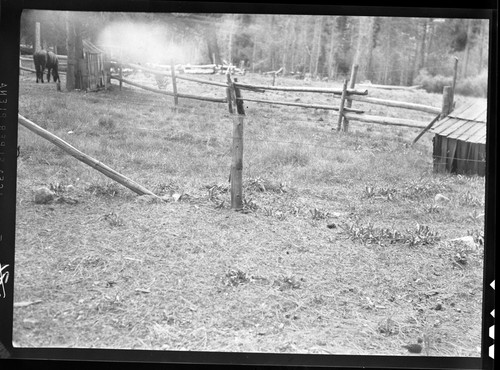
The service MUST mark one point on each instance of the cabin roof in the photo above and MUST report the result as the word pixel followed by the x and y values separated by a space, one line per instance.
pixel 466 123
pixel 88 47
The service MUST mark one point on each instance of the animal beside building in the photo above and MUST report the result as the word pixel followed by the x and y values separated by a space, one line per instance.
pixel 46 59
pixel 40 60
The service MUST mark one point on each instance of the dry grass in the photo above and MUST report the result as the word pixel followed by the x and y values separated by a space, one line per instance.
pixel 112 270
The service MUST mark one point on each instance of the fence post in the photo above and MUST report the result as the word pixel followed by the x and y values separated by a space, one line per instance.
pixel 229 94
pixel 446 107
pixel 455 70
pixel 341 108
pixel 174 83
pixel 352 83
pixel 120 73
pixel 237 149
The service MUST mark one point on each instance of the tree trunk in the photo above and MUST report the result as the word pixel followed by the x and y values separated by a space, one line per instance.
pixel 254 52
pixel 414 64
pixel 423 42
pixel 70 46
pixel 213 46
pixel 331 49
pixel 316 47
pixel 289 26
pixel 359 42
pixel 467 48
pixel 370 46
pixel 37 36
pixel 430 41
pixel 481 46
pixel 230 39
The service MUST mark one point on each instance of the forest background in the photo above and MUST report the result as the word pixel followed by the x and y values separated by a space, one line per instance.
pixel 403 51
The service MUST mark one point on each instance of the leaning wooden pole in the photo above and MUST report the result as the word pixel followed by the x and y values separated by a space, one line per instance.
pixel 428 127
pixel 94 163
pixel 341 108
pixel 237 150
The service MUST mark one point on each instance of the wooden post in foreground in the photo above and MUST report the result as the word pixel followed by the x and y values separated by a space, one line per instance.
pixel 174 84
pixel 237 150
pixel 352 83
pixel 341 108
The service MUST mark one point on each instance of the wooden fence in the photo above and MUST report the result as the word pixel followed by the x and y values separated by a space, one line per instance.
pixel 234 100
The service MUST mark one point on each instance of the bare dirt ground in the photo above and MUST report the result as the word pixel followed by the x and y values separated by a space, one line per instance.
pixel 341 249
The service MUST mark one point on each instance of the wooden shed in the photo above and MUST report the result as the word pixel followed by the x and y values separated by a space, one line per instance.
pixel 459 144
pixel 93 71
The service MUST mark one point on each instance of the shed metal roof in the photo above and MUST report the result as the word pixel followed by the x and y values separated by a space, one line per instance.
pixel 466 123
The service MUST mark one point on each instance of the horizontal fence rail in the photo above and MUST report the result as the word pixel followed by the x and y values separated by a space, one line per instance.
pixel 158 91
pixel 395 103
pixel 303 105
pixel 389 121
pixel 34 71
pixel 299 89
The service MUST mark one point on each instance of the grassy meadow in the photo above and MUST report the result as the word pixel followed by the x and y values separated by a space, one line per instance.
pixel 342 247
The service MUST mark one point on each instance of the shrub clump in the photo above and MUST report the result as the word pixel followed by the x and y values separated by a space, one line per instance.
pixel 476 85
pixel 432 84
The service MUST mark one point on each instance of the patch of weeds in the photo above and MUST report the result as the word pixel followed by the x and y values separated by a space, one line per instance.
pixel 113 219
pixel 215 191
pixel 249 205
pixel 262 185
pixel 318 215
pixel 422 236
pixel 271 212
pixel 369 234
pixel 477 236
pixel 460 259
pixel 468 199
pixel 388 327
pixel 288 282
pixel 476 216
pixel 382 193
pixel 235 278
pixel 431 208
pixel 164 188
pixel 108 190
pixel 214 194
pixel 419 189
pixel 57 188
